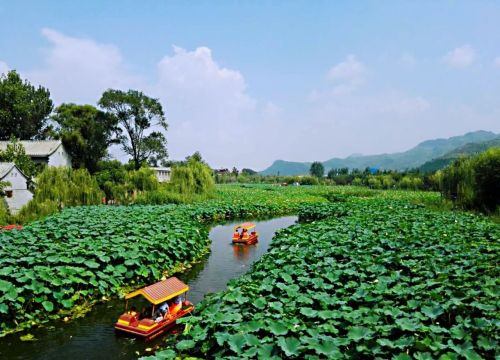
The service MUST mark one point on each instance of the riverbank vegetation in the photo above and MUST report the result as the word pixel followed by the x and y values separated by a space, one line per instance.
pixel 473 183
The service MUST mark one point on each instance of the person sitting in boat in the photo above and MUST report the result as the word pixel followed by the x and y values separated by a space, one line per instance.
pixel 175 306
pixel 236 234
pixel 164 307
pixel 164 310
pixel 133 312
pixel 158 316
pixel 244 233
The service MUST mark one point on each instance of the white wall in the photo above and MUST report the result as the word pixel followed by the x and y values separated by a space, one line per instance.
pixel 162 175
pixel 16 179
pixel 20 193
pixel 60 158
pixel 18 200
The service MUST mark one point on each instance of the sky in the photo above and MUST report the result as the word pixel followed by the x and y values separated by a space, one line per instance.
pixel 249 82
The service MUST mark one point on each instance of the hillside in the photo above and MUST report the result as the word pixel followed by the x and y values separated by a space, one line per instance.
pixel 465 150
pixel 415 157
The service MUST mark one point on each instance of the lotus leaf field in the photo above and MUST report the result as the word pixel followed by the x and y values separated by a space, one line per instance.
pixel 364 274
pixel 365 278
pixel 85 253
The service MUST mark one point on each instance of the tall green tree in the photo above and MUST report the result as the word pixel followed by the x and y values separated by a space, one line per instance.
pixel 136 115
pixel 24 108
pixel 86 133
pixel 317 169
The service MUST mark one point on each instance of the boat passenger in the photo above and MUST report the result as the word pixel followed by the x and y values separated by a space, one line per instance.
pixel 164 307
pixel 133 311
pixel 236 234
pixel 158 316
pixel 244 234
pixel 176 306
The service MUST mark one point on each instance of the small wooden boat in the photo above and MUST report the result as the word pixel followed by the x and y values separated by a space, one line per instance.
pixel 161 295
pixel 245 237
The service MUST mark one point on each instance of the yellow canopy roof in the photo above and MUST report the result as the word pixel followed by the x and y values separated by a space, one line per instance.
pixel 161 291
pixel 246 225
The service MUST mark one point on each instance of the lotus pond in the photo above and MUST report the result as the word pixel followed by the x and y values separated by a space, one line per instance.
pixel 366 274
pixel 378 278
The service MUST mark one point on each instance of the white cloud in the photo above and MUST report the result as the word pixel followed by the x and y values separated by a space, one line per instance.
pixel 79 69
pixel 4 68
pixel 209 109
pixel 350 70
pixel 461 57
pixel 496 62
pixel 207 105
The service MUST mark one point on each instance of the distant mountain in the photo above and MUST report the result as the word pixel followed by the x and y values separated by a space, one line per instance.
pixel 462 151
pixel 413 158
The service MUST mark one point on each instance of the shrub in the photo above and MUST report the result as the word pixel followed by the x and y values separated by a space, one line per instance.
pixel 487 179
pixel 472 183
pixel 308 180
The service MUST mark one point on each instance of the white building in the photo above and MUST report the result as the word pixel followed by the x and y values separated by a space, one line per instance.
pixel 162 173
pixel 17 193
pixel 49 152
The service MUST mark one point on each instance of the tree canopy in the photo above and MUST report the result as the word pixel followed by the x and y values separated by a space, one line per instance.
pixel 317 169
pixel 137 116
pixel 86 133
pixel 24 109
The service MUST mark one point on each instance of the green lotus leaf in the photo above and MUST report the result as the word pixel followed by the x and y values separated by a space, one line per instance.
pixel 290 345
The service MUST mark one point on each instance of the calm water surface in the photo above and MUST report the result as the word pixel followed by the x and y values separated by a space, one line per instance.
pixel 93 337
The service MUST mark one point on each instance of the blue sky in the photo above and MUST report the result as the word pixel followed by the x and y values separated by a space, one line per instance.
pixel 249 82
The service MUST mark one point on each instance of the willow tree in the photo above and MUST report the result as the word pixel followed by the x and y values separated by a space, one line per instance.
pixel 59 187
pixel 193 178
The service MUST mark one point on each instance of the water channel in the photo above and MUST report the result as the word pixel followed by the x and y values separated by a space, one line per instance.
pixel 94 337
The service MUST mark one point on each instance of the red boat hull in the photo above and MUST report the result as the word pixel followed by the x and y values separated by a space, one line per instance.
pixel 252 239
pixel 147 328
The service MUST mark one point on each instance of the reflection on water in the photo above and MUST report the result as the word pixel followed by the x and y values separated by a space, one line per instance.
pixel 93 337
pixel 242 252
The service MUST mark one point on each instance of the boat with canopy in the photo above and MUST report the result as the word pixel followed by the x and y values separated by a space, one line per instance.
pixel 245 236
pixel 166 301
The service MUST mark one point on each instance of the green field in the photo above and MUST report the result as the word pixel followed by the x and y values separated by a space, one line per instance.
pixel 364 274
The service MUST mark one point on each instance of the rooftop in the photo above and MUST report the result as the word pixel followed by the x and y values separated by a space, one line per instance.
pixel 36 148
pixel 5 167
pixel 161 291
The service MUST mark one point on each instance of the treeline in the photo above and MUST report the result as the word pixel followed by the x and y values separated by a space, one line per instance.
pixel 408 180
pixel 113 184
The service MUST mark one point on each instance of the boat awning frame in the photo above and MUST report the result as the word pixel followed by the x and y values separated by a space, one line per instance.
pixel 161 291
pixel 247 225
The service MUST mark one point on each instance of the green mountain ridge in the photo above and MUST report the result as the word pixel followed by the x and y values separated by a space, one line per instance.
pixel 412 158
pixel 466 150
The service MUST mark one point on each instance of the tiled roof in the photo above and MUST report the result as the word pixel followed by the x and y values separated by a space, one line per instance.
pixel 161 291
pixel 36 148
pixel 5 167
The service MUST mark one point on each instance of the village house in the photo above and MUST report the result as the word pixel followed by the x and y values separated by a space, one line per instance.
pixel 162 173
pixel 16 194
pixel 48 152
